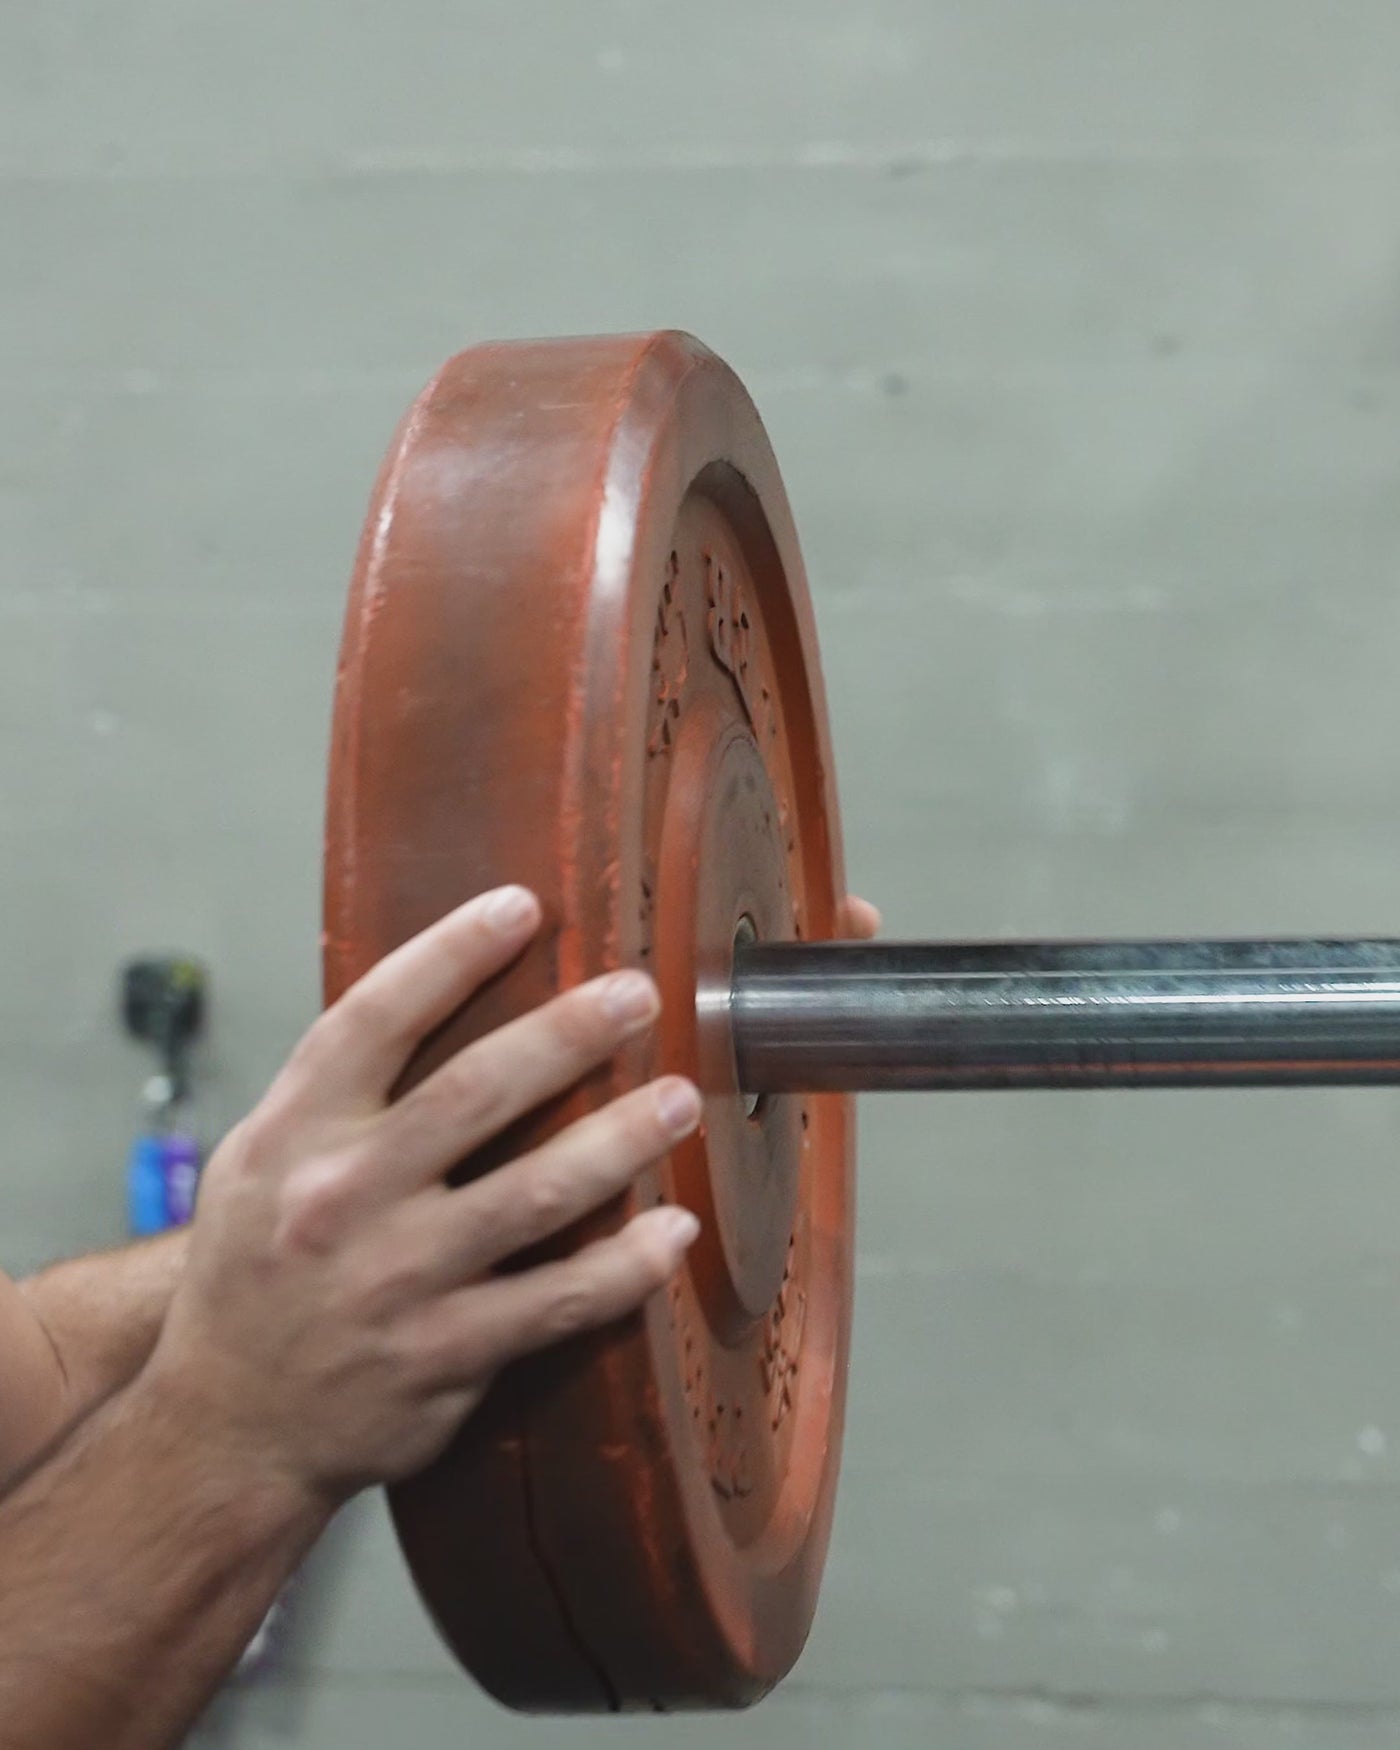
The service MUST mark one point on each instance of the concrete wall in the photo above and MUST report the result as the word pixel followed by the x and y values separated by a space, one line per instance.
pixel 1077 329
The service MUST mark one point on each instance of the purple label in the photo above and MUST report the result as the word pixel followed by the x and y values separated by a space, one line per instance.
pixel 182 1164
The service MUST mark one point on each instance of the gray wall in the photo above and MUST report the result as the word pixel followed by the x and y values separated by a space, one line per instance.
pixel 1077 329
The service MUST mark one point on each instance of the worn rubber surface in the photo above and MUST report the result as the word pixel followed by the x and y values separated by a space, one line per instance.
pixel 579 653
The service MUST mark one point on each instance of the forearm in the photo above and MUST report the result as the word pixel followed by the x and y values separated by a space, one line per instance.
pixel 102 1315
pixel 135 1566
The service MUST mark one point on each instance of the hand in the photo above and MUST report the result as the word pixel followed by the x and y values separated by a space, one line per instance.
pixel 857 920
pixel 339 1314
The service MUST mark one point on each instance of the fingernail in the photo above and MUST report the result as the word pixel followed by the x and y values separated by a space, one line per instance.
pixel 629 996
pixel 681 1227
pixel 508 908
pixel 679 1105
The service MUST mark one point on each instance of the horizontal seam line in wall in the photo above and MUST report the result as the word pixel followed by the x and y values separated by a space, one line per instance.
pixel 894 158
pixel 1122 1480
pixel 1067 1702
pixel 887 380
pixel 1070 1700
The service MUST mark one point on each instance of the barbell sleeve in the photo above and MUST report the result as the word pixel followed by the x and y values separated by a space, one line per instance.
pixel 810 1018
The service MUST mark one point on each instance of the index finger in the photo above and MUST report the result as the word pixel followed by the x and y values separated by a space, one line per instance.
pixel 359 1046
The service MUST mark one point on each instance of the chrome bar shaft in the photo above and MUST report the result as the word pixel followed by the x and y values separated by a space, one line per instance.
pixel 869 1016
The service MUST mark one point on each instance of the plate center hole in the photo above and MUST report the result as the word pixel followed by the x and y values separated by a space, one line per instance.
pixel 745 935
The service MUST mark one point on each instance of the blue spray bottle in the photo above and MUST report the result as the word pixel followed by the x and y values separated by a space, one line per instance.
pixel 163 1004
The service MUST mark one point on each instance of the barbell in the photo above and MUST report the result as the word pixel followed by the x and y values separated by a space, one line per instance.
pixel 579 653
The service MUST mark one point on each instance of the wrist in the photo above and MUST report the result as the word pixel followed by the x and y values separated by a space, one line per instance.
pixel 234 1460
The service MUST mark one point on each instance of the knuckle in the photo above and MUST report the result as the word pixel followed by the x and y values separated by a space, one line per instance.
pixel 610 1166
pixel 463 1092
pixel 365 1012
pixel 545 1202
pixel 325 1040
pixel 312 1207
pixel 579 1027
pixel 440 1349
pixel 473 1088
pixel 261 1136
pixel 644 1134
pixel 570 1310
pixel 402 1279
pixel 241 1146
pixel 416 1356
pixel 411 1125
pixel 649 1251
pixel 422 1121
